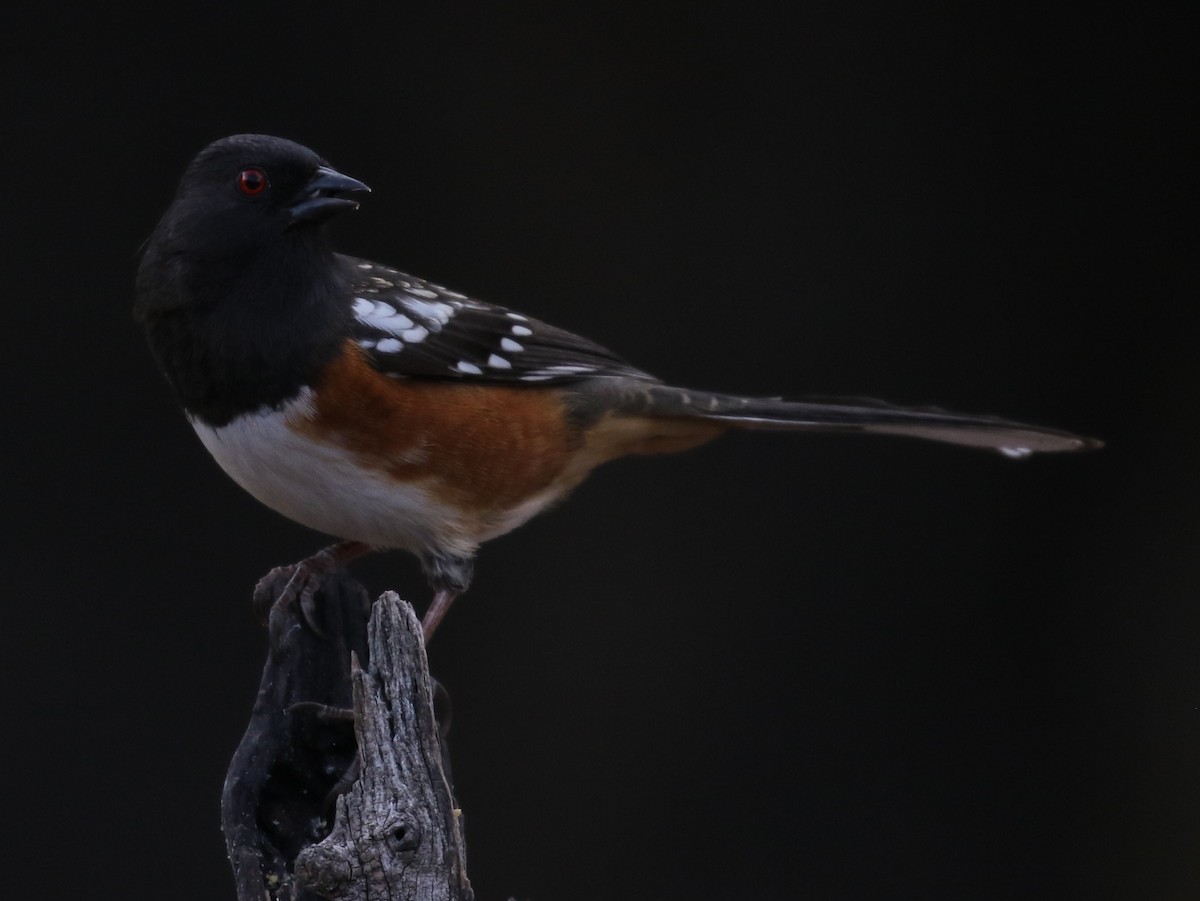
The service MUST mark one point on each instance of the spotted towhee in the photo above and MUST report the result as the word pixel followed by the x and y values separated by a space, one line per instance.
pixel 392 413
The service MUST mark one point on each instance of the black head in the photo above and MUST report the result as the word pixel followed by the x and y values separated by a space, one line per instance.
pixel 242 298
pixel 244 196
pixel 261 186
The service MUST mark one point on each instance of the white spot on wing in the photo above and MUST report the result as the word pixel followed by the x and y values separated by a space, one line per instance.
pixel 549 372
pixel 521 330
pixel 423 292
pixel 390 346
pixel 381 315
pixel 498 362
pixel 414 335
pixel 393 322
pixel 468 368
pixel 510 345
pixel 1016 453
pixel 517 316
pixel 432 310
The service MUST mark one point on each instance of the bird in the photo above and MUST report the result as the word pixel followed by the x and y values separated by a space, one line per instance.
pixel 390 412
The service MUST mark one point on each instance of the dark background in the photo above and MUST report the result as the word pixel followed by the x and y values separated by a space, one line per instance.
pixel 775 667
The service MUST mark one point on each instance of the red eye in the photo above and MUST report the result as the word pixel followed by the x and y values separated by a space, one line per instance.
pixel 252 181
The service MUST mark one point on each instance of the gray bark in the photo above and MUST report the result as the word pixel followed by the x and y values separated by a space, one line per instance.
pixel 293 830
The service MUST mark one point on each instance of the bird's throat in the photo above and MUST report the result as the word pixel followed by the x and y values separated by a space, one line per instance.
pixel 253 340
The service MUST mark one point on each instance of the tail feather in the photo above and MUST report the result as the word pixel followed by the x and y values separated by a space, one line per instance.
pixel 1013 439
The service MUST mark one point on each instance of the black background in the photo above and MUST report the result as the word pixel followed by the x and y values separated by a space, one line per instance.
pixel 775 667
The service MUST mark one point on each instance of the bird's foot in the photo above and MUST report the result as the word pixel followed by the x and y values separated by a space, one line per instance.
pixel 300 582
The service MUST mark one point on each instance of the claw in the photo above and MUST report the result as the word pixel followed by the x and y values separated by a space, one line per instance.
pixel 266 592
pixel 303 581
pixel 310 582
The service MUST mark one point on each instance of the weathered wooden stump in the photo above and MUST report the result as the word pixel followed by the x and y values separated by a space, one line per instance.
pixel 322 804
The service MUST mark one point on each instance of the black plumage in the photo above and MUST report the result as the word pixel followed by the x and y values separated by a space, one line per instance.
pixel 249 310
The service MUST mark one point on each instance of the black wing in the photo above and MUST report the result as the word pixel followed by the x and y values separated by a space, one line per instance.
pixel 411 328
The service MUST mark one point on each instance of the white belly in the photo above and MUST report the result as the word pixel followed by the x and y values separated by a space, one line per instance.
pixel 321 486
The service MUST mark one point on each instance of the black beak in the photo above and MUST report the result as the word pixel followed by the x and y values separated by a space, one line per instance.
pixel 324 196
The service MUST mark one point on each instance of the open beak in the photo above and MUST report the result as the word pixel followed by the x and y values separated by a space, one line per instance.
pixel 326 195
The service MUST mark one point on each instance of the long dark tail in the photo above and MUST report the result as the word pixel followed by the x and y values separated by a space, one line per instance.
pixel 1013 439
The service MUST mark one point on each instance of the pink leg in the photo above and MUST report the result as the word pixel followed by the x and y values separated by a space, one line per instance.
pixel 441 603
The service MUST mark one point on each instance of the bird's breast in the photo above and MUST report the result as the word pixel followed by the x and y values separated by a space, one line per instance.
pixel 417 464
